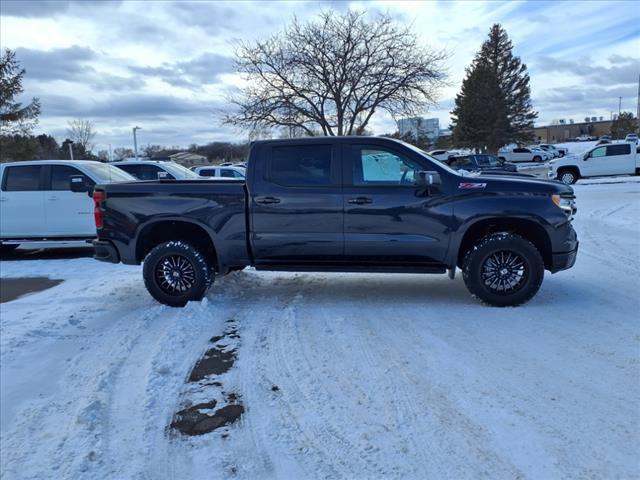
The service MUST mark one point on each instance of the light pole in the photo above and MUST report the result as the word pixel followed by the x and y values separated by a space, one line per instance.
pixel 70 149
pixel 135 141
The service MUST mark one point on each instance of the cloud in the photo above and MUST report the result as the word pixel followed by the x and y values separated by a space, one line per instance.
pixel 623 71
pixel 203 70
pixel 51 8
pixel 56 64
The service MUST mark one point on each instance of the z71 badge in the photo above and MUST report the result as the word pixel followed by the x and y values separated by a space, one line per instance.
pixel 465 185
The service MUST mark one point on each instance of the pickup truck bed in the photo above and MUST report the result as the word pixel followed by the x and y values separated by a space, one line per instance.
pixel 340 204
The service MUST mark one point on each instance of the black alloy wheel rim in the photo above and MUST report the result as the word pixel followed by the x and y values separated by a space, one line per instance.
pixel 504 272
pixel 175 275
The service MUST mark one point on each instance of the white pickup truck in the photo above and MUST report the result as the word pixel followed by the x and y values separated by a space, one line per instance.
pixel 602 160
pixel 524 154
pixel 37 202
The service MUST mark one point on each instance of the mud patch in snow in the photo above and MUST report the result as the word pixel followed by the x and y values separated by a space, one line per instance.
pixel 201 418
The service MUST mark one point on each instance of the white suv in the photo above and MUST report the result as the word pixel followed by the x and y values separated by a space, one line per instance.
pixel 522 155
pixel 37 202
pixel 155 169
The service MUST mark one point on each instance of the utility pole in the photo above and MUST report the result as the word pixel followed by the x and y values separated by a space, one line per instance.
pixel 619 106
pixel 135 141
pixel 70 150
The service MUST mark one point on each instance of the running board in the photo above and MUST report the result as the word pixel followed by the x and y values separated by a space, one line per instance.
pixel 354 268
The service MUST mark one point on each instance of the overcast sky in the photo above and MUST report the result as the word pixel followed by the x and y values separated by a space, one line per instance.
pixel 167 66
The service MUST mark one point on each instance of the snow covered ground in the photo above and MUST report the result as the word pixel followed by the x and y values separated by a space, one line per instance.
pixel 341 375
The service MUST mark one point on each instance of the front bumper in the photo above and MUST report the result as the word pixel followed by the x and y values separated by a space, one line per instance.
pixel 105 251
pixel 564 261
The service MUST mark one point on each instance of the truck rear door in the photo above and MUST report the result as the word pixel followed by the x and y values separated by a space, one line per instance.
pixel 295 202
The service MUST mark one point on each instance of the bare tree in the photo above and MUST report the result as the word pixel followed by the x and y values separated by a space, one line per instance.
pixel 331 75
pixel 82 133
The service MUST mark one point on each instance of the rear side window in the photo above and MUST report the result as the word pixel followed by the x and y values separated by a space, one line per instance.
pixel 25 178
pixel 301 166
pixel 61 177
pixel 618 149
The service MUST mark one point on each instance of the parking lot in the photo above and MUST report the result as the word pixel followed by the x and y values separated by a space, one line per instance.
pixel 340 375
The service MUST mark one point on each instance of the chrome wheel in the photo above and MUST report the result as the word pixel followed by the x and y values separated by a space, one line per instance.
pixel 504 272
pixel 175 274
pixel 567 178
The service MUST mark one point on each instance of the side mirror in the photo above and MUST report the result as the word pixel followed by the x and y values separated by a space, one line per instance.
pixel 428 179
pixel 586 155
pixel 78 184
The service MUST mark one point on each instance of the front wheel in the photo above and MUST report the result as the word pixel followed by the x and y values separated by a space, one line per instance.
pixel 537 159
pixel 176 272
pixel 568 177
pixel 503 269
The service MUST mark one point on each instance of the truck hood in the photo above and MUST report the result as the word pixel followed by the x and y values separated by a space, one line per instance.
pixel 520 184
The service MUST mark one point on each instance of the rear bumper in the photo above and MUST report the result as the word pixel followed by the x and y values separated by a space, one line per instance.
pixel 105 251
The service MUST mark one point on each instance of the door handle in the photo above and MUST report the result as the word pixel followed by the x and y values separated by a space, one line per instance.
pixel 54 199
pixel 4 199
pixel 360 200
pixel 266 200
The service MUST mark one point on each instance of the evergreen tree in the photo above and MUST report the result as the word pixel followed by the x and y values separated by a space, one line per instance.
pixel 623 124
pixel 494 105
pixel 14 117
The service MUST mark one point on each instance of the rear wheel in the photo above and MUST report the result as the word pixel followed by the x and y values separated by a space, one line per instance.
pixel 503 269
pixel 176 272
pixel 537 159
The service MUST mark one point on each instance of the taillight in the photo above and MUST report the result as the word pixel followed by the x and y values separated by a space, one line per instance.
pixel 98 197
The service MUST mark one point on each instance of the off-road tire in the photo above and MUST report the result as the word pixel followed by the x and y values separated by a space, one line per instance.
pixel 200 272
pixel 568 176
pixel 474 262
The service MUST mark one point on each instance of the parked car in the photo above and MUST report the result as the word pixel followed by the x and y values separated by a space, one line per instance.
pixel 365 204
pixel 221 172
pixel 602 160
pixel 631 137
pixel 557 151
pixel 441 155
pixel 583 138
pixel 37 201
pixel 522 154
pixel 154 169
pixel 481 162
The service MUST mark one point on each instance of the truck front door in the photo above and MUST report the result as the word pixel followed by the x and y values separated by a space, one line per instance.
pixel 388 218
pixel 295 201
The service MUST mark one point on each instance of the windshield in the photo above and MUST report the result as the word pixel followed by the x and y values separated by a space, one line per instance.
pixel 180 172
pixel 108 173
pixel 440 164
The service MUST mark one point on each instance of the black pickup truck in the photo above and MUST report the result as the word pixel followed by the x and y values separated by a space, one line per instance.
pixel 356 204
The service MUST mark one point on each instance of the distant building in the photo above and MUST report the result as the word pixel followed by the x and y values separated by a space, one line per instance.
pixel 568 131
pixel 188 159
pixel 419 127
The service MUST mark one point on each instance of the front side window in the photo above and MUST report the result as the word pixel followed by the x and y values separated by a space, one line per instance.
pixel 599 152
pixel 375 166
pixel 227 173
pixel 24 178
pixel 207 172
pixel 149 172
pixel 61 177
pixel 301 165
pixel 619 149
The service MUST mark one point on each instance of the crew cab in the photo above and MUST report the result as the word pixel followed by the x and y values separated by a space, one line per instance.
pixel 602 160
pixel 521 154
pixel 154 169
pixel 37 201
pixel 357 204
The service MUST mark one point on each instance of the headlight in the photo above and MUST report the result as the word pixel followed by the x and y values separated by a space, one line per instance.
pixel 566 203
